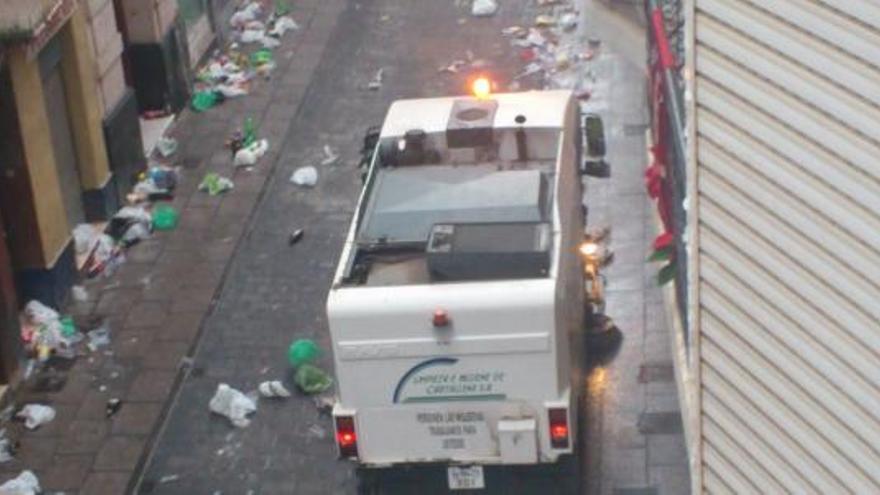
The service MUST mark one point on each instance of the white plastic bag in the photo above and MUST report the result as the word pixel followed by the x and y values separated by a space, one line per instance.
pixel 35 415
pixel 249 156
pixel 270 42
pixel 99 337
pixel 305 176
pixel 272 389
pixel 251 36
pixel 25 483
pixel 5 448
pixel 84 236
pixel 233 404
pixel 245 15
pixel 103 249
pixel 79 293
pixel 483 8
pixel 230 91
pixel 167 146
pixel 282 25
pixel 135 213
pixel 137 232
pixel 568 21
pixel 39 313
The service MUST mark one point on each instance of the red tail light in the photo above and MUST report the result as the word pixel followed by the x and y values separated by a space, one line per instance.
pixel 346 436
pixel 558 428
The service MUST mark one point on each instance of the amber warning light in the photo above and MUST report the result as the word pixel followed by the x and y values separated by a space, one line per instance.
pixel 482 87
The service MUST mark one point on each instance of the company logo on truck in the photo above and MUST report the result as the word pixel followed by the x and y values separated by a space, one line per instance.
pixel 435 380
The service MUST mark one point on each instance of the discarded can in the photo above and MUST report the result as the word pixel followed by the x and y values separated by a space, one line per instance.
pixel 113 406
pixel 295 236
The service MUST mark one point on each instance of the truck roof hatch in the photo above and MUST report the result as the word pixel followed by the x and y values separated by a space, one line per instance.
pixel 470 123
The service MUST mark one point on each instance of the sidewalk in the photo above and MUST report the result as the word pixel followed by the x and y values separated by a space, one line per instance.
pixel 634 412
pixel 156 303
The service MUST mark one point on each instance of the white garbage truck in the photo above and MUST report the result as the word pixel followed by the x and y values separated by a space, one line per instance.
pixel 457 310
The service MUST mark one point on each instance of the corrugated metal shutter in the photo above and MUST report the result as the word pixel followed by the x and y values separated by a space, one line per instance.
pixel 788 175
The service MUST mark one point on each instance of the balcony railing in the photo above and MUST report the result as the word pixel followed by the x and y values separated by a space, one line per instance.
pixel 665 60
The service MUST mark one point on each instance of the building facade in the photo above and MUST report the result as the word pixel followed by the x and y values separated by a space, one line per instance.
pixel 779 338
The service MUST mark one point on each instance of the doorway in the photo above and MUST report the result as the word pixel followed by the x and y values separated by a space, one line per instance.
pixel 62 136
pixel 9 330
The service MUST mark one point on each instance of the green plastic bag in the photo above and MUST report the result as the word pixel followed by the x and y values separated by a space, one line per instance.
pixel 261 57
pixel 165 217
pixel 214 184
pixel 68 328
pixel 311 379
pixel 203 100
pixel 302 351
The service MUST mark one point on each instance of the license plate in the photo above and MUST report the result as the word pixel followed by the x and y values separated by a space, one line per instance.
pixel 465 477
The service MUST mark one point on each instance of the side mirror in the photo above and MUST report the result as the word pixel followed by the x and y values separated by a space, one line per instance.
pixel 371 139
pixel 594 132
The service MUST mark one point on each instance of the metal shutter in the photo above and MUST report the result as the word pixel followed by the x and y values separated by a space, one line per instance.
pixel 787 116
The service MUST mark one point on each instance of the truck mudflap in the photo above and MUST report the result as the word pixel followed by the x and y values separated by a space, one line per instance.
pixel 563 477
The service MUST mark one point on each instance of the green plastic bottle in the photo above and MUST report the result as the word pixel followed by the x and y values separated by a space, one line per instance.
pixel 250 132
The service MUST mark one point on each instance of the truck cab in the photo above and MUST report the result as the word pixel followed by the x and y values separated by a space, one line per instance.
pixel 456 313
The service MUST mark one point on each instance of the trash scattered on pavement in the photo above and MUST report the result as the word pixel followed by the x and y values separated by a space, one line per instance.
pixel 7 448
pixel 98 337
pixel 305 176
pixel 250 154
pixel 40 313
pixel 283 24
pixel 233 404
pixel 113 406
pixel 484 8
pixel 274 388
pixel 205 100
pixel 68 328
pixel 79 293
pixel 36 415
pixel 25 483
pixel 155 184
pixel 330 156
pixel 318 431
pixel 165 217
pixel 84 237
pixel 104 257
pixel 453 67
pixel 166 146
pixel 376 83
pixel 169 478
pixel 215 184
pixel 324 403
pixel 295 237
pixel 244 15
pixel 42 333
pixel 545 21
pixel 130 225
pixel 515 31
pixel 568 21
pixel 311 379
pixel 302 351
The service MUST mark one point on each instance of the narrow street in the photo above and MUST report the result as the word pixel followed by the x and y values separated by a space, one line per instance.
pixel 273 293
